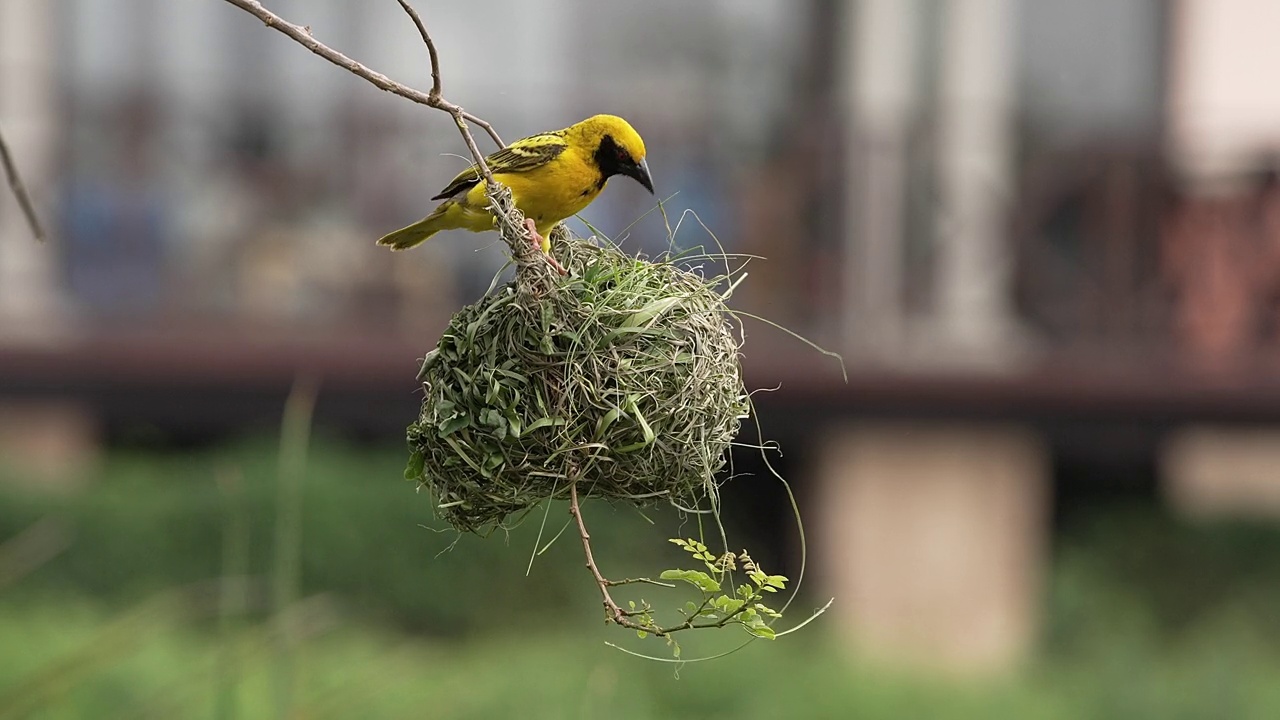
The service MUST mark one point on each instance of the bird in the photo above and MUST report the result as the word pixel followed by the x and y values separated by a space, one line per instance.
pixel 552 176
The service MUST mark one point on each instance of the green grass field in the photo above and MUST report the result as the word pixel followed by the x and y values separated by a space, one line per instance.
pixel 1146 618
pixel 66 659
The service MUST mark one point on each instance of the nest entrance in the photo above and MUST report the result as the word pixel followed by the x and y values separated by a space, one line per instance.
pixel 626 376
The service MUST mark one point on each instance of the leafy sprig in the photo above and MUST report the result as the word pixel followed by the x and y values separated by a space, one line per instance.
pixel 721 603
pixel 744 605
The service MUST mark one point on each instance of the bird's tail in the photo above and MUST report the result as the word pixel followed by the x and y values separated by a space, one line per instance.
pixel 417 233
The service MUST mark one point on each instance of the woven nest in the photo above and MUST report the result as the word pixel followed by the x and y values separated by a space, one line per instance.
pixel 624 376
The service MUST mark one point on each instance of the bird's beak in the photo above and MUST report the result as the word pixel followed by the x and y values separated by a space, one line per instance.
pixel 640 171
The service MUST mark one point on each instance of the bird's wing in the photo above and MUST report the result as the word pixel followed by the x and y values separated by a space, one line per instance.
pixel 520 156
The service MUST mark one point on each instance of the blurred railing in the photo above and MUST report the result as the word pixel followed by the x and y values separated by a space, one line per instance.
pixel 1116 261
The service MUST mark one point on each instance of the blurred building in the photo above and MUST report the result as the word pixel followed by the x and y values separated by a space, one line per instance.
pixel 1061 214
pixel 1045 234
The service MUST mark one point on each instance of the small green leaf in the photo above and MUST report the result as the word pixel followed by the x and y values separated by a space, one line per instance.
pixel 697 578
pixel 705 583
pixel 765 609
pixel 428 362
pixel 494 461
pixel 513 423
pixel 762 631
pixel 728 605
pixel 642 634
pixel 454 424
pixel 413 470
pixel 777 581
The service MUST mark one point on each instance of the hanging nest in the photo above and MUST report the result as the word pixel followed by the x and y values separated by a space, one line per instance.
pixel 624 375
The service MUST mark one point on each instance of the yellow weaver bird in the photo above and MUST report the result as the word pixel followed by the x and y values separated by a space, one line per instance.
pixel 552 176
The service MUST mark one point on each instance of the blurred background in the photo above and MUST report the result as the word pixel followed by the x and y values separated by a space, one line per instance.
pixel 1044 234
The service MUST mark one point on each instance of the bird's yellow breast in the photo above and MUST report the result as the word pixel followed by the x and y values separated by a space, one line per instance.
pixel 551 193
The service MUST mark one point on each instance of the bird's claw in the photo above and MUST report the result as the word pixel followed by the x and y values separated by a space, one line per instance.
pixel 532 228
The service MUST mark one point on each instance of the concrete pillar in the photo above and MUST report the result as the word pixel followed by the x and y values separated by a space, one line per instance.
pixel 1208 471
pixel 932 539
pixel 877 88
pixel 974 306
pixel 29 303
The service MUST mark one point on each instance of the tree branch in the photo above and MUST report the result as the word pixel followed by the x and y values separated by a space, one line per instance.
pixel 633 581
pixel 20 190
pixel 302 35
pixel 612 611
pixel 509 220
pixel 431 46
pixel 435 71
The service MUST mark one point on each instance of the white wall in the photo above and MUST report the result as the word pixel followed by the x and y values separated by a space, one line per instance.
pixel 1224 104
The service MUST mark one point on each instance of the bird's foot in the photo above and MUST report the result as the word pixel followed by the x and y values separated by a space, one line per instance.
pixel 539 242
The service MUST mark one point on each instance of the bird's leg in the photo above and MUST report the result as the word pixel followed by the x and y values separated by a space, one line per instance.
pixel 532 228
pixel 539 242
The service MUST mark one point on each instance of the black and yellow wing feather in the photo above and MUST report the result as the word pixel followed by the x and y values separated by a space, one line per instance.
pixel 521 156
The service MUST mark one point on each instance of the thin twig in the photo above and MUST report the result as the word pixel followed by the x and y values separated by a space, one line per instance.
pixel 497 139
pixel 646 581
pixel 20 190
pixel 302 36
pixel 612 611
pixel 509 219
pixel 435 71
pixel 431 46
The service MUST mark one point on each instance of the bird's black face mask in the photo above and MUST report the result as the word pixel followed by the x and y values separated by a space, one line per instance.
pixel 613 159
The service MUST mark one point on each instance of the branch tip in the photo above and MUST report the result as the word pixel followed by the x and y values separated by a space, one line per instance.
pixel 19 189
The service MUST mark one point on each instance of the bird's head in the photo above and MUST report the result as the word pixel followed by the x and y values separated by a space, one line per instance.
pixel 616 147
